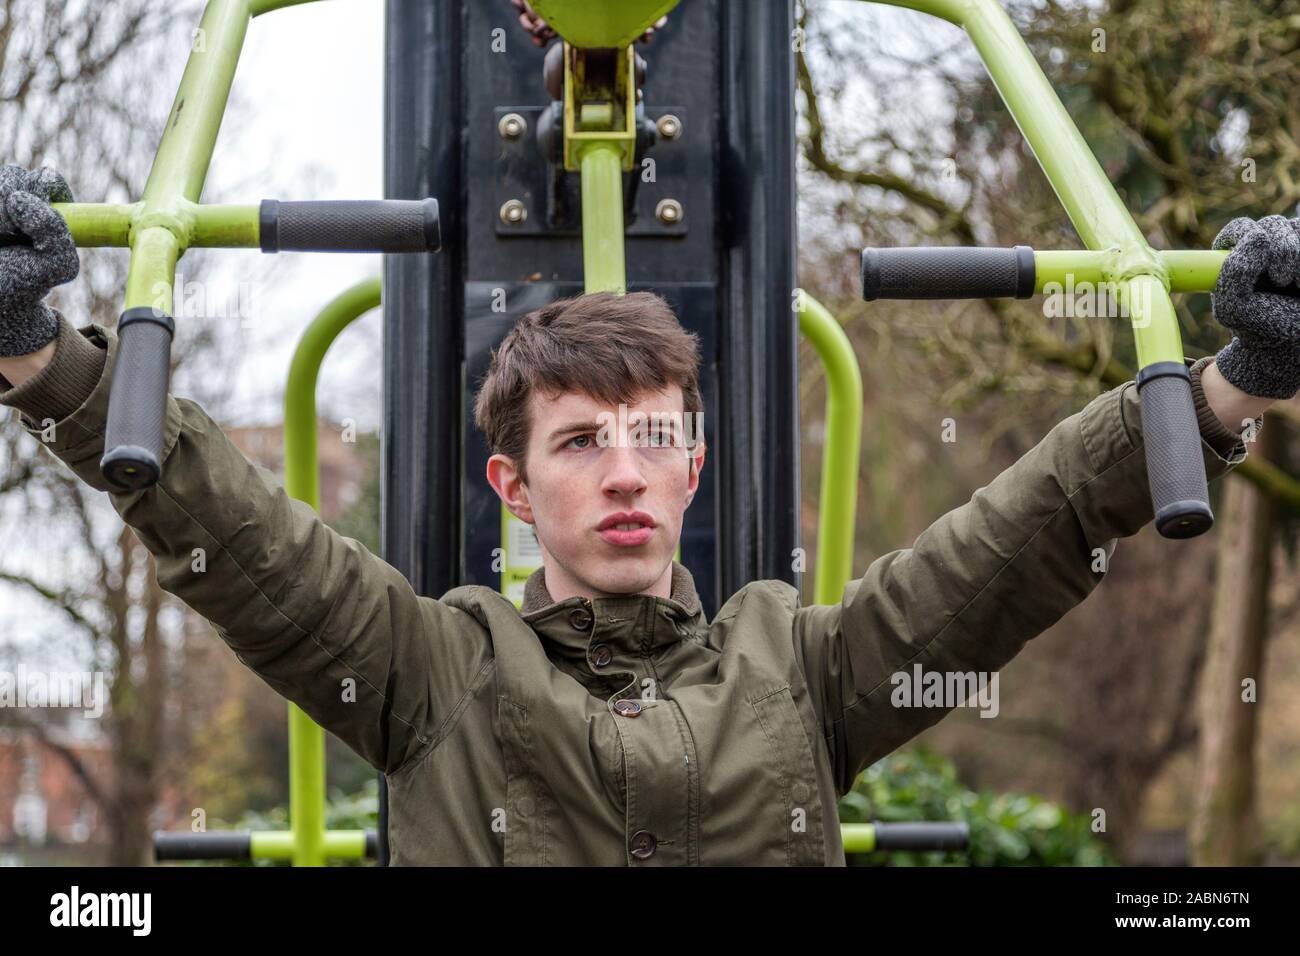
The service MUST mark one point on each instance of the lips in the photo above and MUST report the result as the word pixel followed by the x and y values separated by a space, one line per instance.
pixel 626 518
pixel 626 529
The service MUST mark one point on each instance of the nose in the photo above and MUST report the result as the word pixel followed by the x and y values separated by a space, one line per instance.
pixel 624 477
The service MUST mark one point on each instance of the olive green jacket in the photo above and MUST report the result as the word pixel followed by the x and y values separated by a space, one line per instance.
pixel 618 731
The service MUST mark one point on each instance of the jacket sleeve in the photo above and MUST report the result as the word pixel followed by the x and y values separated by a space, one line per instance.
pixel 323 621
pixel 984 578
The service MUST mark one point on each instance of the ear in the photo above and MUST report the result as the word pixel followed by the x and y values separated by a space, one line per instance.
pixel 503 476
pixel 696 466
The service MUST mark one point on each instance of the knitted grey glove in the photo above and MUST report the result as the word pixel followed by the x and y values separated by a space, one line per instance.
pixel 1263 358
pixel 36 254
pixel 43 182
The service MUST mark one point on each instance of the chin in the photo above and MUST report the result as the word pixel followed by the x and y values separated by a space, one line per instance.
pixel 626 574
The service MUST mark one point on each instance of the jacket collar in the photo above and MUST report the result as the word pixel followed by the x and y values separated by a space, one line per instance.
pixel 631 623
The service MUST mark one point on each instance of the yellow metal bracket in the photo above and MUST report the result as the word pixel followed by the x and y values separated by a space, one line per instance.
pixel 595 113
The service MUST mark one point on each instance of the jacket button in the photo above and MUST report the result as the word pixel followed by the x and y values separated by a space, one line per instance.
pixel 580 618
pixel 643 844
pixel 601 655
pixel 627 708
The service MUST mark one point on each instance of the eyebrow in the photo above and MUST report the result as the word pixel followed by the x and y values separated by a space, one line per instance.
pixel 571 427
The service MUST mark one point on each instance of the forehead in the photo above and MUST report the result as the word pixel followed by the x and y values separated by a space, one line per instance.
pixel 578 406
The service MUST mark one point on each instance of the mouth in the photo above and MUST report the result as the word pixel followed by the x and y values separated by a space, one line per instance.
pixel 627 529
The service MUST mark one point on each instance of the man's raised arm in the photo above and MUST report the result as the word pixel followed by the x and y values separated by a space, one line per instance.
pixel 989 576
pixel 323 621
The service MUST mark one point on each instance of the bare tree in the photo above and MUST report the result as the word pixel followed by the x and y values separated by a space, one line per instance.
pixel 70 74
pixel 1192 109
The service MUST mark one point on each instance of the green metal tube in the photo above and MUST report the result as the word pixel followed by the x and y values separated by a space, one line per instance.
pixel 1189 270
pixel 1155 323
pixel 858 837
pixel 1067 269
pixel 110 224
pixel 258 7
pixel 1192 270
pixel 603 264
pixel 226 227
pixel 153 269
pixel 837 510
pixel 1089 198
pixel 345 844
pixel 180 164
pixel 98 223
pixel 278 844
pixel 306 788
pixel 302 481
pixel 271 845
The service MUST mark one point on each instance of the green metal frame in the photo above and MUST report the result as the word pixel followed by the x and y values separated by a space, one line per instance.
pixel 838 501
pixel 858 837
pixel 603 266
pixel 1141 276
pixel 588 24
pixel 168 219
pixel 600 122
pixel 307 842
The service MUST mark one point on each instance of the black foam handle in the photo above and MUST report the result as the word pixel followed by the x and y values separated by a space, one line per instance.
pixel 350 225
pixel 948 272
pixel 137 400
pixel 221 845
pixel 1175 466
pixel 922 837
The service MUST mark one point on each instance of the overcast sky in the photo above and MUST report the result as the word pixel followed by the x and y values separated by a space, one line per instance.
pixel 310 115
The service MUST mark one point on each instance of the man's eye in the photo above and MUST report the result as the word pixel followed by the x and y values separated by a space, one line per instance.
pixel 586 438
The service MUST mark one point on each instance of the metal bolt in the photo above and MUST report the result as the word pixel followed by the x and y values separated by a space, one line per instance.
pixel 670 127
pixel 513 212
pixel 512 126
pixel 669 211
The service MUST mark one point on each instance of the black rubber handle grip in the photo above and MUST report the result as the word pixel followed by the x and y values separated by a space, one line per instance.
pixel 947 272
pixel 226 845
pixel 1175 467
pixel 922 837
pixel 137 401
pixel 350 225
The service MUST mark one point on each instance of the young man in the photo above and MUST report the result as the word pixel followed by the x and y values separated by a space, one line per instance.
pixel 609 722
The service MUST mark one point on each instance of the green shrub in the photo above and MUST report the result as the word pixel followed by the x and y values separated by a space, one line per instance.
pixel 1006 829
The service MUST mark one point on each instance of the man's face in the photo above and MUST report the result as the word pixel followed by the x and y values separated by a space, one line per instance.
pixel 588 465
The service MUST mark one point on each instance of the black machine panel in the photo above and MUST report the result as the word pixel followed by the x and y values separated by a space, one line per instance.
pixel 723 69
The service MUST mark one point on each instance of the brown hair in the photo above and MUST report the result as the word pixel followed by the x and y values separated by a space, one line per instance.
pixel 610 347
